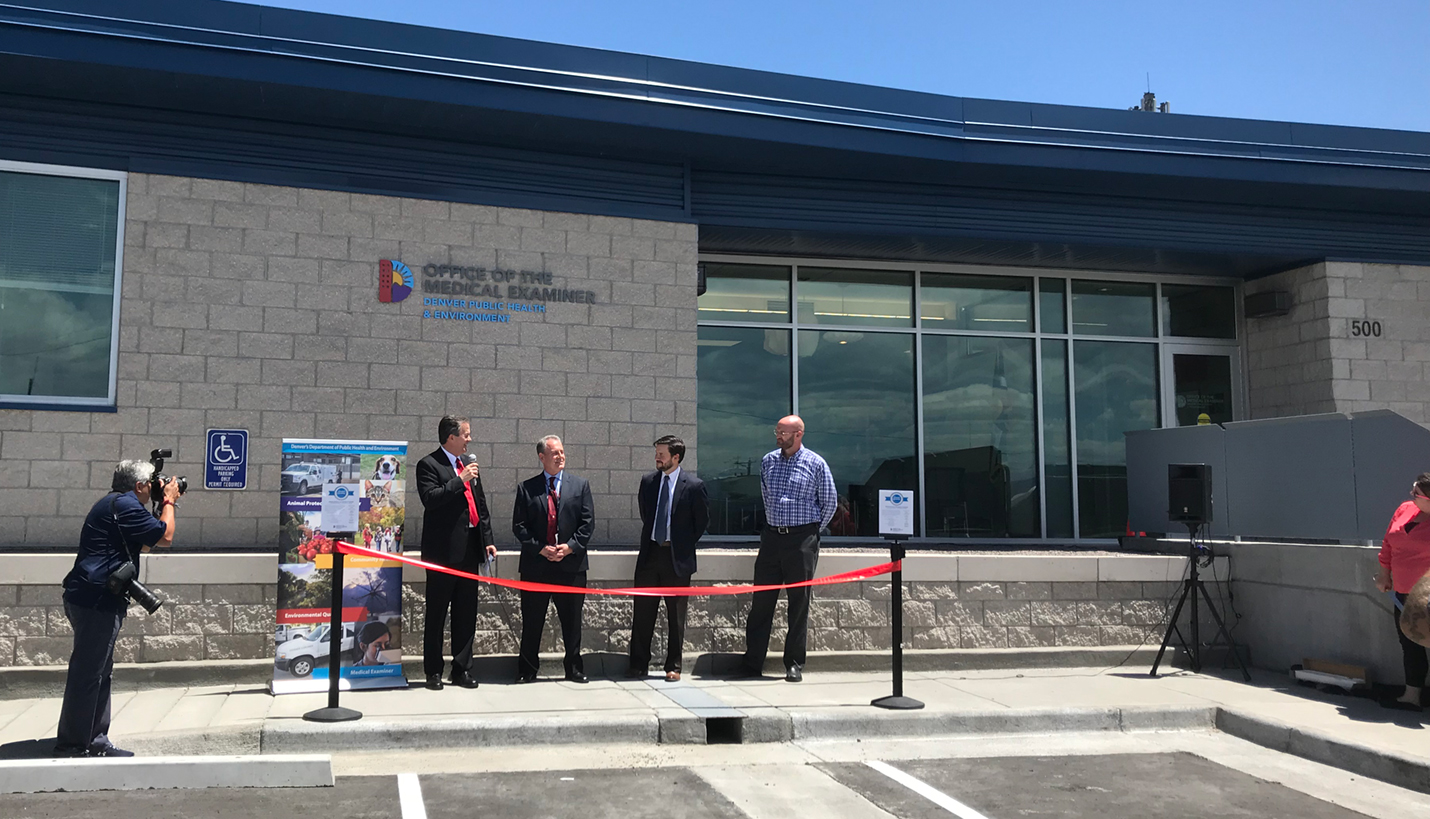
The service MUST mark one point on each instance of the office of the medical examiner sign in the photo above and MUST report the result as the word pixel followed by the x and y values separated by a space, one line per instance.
pixel 460 293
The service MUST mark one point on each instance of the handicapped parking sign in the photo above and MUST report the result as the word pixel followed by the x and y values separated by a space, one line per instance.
pixel 226 459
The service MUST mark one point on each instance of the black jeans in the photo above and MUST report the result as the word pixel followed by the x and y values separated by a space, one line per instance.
pixel 458 594
pixel 788 558
pixel 84 716
pixel 533 622
pixel 1413 655
pixel 658 571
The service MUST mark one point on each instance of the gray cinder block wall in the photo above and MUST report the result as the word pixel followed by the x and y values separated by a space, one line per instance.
pixel 1321 357
pixel 255 307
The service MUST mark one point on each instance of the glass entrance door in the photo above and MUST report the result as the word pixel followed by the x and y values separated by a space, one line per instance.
pixel 1203 387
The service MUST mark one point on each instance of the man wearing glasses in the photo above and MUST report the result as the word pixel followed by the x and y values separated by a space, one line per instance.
pixel 800 500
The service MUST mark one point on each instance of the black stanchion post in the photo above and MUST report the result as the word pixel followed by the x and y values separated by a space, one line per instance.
pixel 898 701
pixel 335 712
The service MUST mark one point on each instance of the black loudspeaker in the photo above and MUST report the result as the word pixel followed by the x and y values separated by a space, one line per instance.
pixel 1189 493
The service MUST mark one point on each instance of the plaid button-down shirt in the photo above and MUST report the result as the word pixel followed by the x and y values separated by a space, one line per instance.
pixel 797 490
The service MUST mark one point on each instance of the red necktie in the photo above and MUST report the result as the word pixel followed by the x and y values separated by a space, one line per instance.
pixel 552 498
pixel 471 503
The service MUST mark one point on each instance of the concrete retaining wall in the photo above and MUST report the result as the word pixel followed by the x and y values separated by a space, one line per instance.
pixel 1299 600
pixel 222 606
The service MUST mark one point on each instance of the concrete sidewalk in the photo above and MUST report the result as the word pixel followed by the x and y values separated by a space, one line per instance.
pixel 1353 734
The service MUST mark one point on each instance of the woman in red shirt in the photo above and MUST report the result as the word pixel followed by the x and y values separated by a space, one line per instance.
pixel 1404 559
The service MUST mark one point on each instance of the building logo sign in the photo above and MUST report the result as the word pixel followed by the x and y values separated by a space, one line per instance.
pixel 475 293
pixel 394 281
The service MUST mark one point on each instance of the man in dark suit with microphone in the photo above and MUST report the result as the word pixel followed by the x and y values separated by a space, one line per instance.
pixel 455 528
pixel 553 520
pixel 674 513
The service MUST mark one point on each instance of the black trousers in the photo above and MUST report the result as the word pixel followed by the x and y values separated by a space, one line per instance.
pixel 84 715
pixel 787 558
pixel 533 622
pixel 658 571
pixel 458 595
pixel 1414 656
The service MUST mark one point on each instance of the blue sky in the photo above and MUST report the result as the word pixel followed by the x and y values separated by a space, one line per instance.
pixel 1351 62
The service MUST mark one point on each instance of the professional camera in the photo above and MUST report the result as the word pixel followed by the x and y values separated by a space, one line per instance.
pixel 156 457
pixel 125 581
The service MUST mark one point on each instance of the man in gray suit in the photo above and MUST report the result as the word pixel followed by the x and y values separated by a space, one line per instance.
pixel 553 520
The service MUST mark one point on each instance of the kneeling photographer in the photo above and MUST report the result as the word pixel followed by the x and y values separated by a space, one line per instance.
pixel 97 592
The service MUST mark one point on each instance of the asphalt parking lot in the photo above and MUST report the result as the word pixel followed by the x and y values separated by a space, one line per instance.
pixel 1114 786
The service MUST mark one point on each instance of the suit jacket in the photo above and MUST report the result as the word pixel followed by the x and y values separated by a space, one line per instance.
pixel 689 516
pixel 575 522
pixel 445 537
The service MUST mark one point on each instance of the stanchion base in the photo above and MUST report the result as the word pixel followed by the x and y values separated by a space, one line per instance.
pixel 338 714
pixel 898 703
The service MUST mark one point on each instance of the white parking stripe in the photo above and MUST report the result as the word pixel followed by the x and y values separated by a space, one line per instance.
pixel 409 791
pixel 926 790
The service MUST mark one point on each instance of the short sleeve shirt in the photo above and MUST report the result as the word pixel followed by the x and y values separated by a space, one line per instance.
pixel 102 550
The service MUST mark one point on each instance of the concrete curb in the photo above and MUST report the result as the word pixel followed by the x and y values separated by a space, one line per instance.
pixel 297 736
pixel 863 723
pixel 49 681
pixel 1401 770
pixel 761 725
pixel 163 773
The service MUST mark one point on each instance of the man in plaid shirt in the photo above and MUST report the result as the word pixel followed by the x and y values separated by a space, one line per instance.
pixel 800 500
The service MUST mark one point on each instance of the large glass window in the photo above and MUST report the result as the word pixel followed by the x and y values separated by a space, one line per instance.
pixel 1052 310
pixel 1198 312
pixel 1116 394
pixel 864 298
pixel 1114 308
pixel 987 303
pixel 744 387
pixel 59 244
pixel 745 292
pixel 1004 401
pixel 980 438
pixel 1057 455
pixel 856 395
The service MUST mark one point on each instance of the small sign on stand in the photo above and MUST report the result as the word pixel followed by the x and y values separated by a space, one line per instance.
pixel 896 524
pixel 340 514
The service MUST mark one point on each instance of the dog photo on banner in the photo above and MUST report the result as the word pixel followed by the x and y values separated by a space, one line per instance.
pixel 370 643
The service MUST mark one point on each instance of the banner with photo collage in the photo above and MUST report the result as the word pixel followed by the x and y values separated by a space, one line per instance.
pixel 372 587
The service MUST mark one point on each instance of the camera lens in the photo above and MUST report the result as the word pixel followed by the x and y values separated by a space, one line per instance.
pixel 144 596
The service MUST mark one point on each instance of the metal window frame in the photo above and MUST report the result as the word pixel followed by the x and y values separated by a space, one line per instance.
pixel 76 403
pixel 1162 342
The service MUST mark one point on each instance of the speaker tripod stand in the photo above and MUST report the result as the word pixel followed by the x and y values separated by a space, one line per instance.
pixel 1194 588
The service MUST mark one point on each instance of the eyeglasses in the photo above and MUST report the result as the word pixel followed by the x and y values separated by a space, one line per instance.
pixel 1414 495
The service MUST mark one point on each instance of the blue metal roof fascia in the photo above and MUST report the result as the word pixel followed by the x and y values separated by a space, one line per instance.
pixel 1020 123
pixel 188 145
pixel 745 200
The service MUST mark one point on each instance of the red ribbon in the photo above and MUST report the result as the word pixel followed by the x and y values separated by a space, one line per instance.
pixel 644 591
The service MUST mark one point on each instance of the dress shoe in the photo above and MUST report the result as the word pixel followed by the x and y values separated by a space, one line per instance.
pixel 672 676
pixel 576 677
pixel 434 682
pixel 522 679
pixel 463 679
pixel 636 673
pixel 794 673
pixel 744 672
pixel 110 751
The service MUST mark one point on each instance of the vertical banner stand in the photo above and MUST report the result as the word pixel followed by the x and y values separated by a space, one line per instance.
pixel 898 701
pixel 335 712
